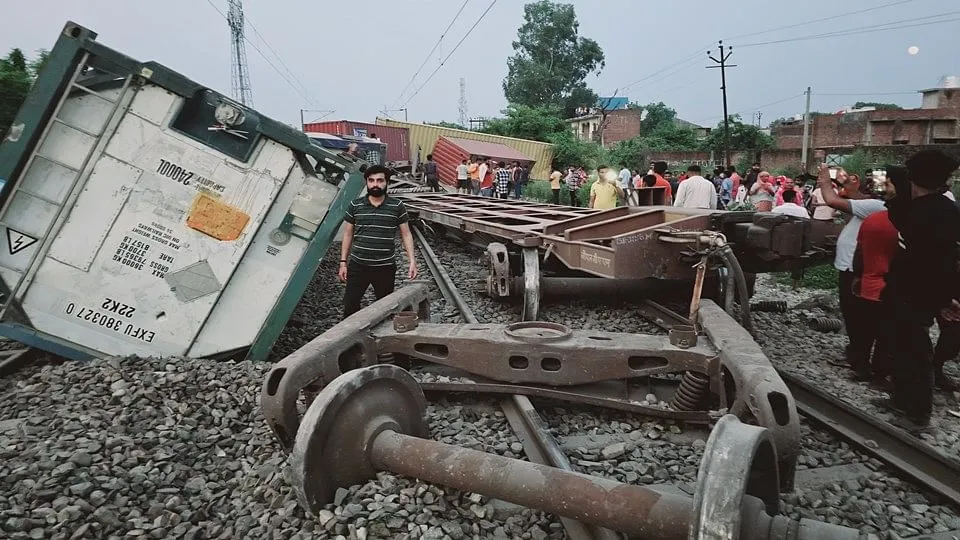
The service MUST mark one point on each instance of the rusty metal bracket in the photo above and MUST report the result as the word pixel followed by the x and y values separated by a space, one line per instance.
pixel 372 419
pixel 346 346
pixel 755 391
pixel 734 373
pixel 531 283
pixel 498 264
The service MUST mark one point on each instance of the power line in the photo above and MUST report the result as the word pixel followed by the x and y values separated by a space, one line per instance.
pixel 689 59
pixel 280 60
pixel 893 25
pixel 844 94
pixel 430 54
pixel 834 17
pixel 686 60
pixel 759 107
pixel 444 61
pixel 267 60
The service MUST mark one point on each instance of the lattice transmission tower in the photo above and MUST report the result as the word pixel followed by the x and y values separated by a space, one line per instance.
pixel 239 70
pixel 464 118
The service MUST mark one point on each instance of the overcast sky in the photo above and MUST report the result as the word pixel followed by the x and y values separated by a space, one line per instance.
pixel 356 58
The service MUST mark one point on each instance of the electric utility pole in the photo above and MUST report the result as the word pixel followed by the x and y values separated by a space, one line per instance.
pixel 723 65
pixel 806 133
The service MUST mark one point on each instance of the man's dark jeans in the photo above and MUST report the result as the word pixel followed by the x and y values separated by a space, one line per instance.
pixel 360 277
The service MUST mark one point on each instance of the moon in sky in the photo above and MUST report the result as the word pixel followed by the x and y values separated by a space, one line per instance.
pixel 913 50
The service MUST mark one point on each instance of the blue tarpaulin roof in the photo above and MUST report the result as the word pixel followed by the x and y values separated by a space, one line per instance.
pixel 613 103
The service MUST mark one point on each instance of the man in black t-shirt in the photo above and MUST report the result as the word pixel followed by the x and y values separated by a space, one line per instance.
pixel 431 174
pixel 923 280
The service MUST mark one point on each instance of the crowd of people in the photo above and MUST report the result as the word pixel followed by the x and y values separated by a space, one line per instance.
pixel 898 259
pixel 897 256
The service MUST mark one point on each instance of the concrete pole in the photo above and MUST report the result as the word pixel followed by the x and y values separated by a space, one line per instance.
pixel 806 133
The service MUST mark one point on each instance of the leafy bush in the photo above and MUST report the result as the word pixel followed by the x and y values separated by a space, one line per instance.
pixel 539 190
pixel 745 206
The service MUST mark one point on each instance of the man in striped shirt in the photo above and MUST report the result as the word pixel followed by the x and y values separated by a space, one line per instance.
pixel 368 252
pixel 503 176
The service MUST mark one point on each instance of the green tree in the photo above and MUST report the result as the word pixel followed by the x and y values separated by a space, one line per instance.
pixel 16 78
pixel 656 115
pixel 551 59
pixel 569 150
pixel 631 151
pixel 580 96
pixel 742 137
pixel 670 136
pixel 523 122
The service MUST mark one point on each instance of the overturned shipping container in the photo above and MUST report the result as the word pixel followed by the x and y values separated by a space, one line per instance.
pixel 423 139
pixel 451 151
pixel 145 214
pixel 397 139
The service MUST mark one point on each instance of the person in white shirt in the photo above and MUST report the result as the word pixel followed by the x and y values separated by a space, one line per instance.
pixel 821 210
pixel 790 207
pixel 463 178
pixel 625 184
pixel 696 191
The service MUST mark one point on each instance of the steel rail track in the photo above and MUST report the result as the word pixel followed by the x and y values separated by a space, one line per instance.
pixel 905 453
pixel 538 444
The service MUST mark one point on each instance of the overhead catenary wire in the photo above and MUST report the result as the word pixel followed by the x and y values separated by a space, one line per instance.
pixel 694 56
pixel 837 16
pixel 457 46
pixel 844 94
pixel 430 54
pixel 264 56
pixel 888 26
pixel 280 60
pixel 758 107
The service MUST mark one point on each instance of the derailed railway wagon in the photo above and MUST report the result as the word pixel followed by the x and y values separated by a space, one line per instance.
pixel 641 250
pixel 146 214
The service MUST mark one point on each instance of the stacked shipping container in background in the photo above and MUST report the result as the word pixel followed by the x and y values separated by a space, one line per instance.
pixel 426 137
pixel 396 138
pixel 451 151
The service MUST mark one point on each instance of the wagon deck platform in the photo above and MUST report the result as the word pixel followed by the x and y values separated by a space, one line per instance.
pixel 631 242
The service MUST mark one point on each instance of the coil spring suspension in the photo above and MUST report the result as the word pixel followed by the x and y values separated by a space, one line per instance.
pixel 826 324
pixel 772 306
pixel 692 392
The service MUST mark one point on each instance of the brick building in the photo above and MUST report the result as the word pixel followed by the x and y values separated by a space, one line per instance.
pixel 936 122
pixel 621 123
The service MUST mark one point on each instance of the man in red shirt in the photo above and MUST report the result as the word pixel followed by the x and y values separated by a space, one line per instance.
pixel 659 168
pixel 876 245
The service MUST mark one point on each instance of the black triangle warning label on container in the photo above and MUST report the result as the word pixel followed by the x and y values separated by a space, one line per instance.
pixel 18 241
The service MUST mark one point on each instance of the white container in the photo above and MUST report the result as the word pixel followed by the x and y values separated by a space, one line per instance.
pixel 135 224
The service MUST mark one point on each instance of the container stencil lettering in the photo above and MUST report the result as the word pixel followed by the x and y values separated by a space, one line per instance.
pixel 132 253
pixel 98 318
pixel 183 176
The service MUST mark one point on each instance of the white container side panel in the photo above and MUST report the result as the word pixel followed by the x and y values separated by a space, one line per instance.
pixel 266 269
pixel 154 237
pixel 46 182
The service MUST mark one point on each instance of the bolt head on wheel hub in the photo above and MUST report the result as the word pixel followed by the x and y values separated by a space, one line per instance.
pixel 333 444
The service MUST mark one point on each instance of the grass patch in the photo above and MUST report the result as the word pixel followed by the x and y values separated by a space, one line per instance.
pixel 822 277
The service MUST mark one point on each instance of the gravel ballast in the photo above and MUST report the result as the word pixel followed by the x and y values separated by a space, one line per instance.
pixel 787 339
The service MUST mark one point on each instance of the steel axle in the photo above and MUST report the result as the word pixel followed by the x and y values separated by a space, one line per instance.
pixel 372 419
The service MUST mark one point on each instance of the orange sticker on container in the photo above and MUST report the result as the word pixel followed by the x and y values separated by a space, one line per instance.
pixel 217 219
